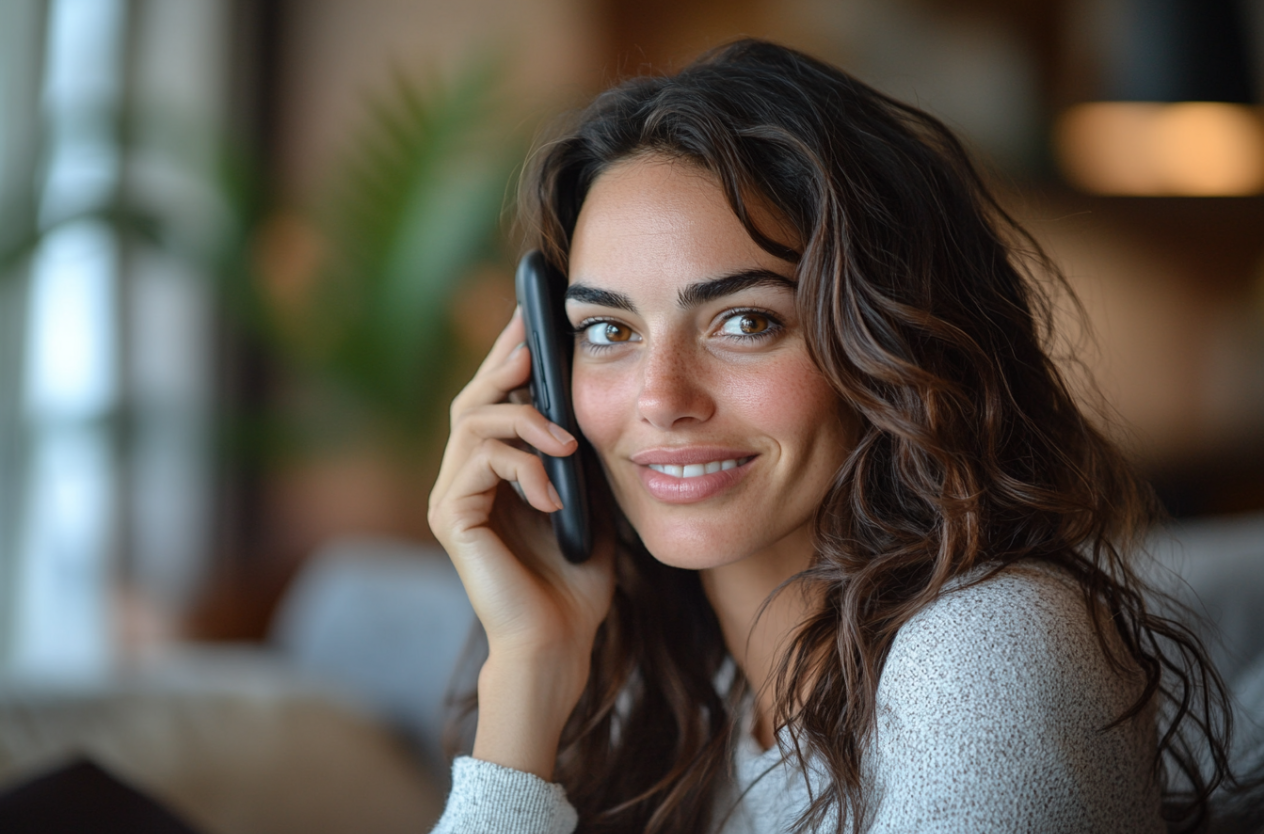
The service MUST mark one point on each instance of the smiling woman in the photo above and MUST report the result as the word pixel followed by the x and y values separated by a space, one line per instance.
pixel 864 565
pixel 709 367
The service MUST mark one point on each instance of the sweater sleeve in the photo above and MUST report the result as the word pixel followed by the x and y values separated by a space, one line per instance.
pixel 994 714
pixel 487 798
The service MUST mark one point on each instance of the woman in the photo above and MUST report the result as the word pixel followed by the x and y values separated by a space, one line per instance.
pixel 867 568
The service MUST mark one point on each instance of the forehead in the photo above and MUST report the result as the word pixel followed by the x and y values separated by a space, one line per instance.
pixel 661 221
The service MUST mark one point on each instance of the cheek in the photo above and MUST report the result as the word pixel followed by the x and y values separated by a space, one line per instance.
pixel 600 403
pixel 789 399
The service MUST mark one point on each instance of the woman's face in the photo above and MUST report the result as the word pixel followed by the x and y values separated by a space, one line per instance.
pixel 692 379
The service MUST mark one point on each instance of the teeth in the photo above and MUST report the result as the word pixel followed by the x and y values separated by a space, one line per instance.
pixel 693 470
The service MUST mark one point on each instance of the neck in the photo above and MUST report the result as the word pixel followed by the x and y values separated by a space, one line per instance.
pixel 737 592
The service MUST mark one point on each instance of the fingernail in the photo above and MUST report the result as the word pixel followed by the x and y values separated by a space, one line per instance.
pixel 562 435
pixel 557 499
pixel 517 348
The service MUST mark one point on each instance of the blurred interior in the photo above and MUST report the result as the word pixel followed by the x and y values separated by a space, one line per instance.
pixel 193 394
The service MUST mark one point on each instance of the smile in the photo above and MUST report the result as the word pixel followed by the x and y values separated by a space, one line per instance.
pixel 696 470
pixel 686 476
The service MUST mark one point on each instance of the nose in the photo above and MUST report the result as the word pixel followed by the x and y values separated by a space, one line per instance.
pixel 674 390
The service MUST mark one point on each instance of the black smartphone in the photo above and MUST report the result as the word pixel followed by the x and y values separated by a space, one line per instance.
pixel 540 289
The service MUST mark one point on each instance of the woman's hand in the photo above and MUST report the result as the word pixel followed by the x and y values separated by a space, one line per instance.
pixel 540 612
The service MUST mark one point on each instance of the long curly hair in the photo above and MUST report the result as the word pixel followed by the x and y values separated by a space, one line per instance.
pixel 929 310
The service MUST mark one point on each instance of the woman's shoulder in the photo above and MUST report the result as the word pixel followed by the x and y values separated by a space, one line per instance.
pixel 997 705
pixel 1013 653
pixel 1025 590
pixel 1025 622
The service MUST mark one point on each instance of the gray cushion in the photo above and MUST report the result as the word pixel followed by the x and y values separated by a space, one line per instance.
pixel 385 620
pixel 1216 566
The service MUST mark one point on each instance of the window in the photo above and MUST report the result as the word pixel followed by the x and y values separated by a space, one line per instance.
pixel 105 357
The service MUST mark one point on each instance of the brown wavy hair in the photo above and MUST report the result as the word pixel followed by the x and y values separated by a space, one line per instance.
pixel 929 310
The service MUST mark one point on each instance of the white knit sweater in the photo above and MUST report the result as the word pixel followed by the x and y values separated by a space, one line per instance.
pixel 992 709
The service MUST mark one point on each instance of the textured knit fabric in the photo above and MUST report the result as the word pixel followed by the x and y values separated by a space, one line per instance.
pixel 992 716
pixel 487 798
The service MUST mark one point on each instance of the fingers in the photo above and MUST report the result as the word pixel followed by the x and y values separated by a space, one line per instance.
pixel 505 421
pixel 491 463
pixel 500 422
pixel 486 427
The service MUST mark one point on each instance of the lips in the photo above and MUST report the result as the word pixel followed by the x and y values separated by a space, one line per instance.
pixel 686 476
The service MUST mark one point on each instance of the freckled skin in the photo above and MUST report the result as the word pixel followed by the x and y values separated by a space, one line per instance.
pixel 649 227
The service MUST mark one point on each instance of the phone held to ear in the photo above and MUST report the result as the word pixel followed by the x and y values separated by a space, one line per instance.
pixel 540 290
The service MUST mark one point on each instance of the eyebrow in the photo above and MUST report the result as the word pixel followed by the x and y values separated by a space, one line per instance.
pixel 602 298
pixel 692 295
pixel 704 291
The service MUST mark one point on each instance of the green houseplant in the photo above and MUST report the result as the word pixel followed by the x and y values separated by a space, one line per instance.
pixel 416 209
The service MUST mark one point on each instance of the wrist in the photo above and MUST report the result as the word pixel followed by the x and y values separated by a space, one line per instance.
pixel 556 672
pixel 524 702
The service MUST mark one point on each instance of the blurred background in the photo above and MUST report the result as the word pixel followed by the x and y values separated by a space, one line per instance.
pixel 250 248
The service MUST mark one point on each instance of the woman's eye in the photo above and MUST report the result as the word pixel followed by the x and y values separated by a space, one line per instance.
pixel 608 333
pixel 746 324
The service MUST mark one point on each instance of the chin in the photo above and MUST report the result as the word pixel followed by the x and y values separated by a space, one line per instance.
pixel 676 557
pixel 691 546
